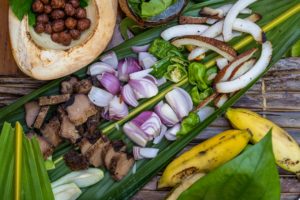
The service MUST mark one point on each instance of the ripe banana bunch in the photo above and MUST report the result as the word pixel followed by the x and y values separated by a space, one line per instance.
pixel 205 157
pixel 286 149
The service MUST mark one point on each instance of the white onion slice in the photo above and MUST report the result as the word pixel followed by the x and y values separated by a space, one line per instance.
pixel 110 59
pixel 100 68
pixel 146 60
pixel 171 133
pixel 254 72
pixel 182 30
pixel 141 153
pixel 232 15
pixel 100 97
pixel 140 74
pixel 221 63
pixel 159 138
pixel 205 112
pixel 142 48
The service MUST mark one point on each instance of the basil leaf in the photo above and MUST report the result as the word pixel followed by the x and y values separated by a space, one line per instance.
pixel 251 175
pixel 188 123
pixel 175 73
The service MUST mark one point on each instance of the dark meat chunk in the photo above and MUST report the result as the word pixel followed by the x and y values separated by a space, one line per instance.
pixel 58 25
pixel 84 145
pixel 43 18
pixel 120 165
pixel 48 28
pixel 93 138
pixel 57 14
pixel 70 23
pixel 81 109
pixel 80 13
pixel 41 117
pixel 76 161
pixel 65 38
pixel 46 148
pixel 47 9
pixel 75 34
pixel 68 130
pixel 38 6
pixel 75 3
pixel 114 148
pixel 70 10
pixel 58 3
pixel 32 110
pixel 93 122
pixel 95 151
pixel 81 129
pixel 50 131
pixel 67 87
pixel 83 24
pixel 39 27
pixel 53 100
pixel 83 87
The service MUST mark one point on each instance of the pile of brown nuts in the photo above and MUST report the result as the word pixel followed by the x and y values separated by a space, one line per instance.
pixel 64 20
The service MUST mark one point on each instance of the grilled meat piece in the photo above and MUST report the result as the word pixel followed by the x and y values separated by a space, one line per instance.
pixel 93 122
pixel 95 151
pixel 41 117
pixel 31 112
pixel 68 129
pixel 67 87
pixel 53 100
pixel 51 131
pixel 87 141
pixel 83 87
pixel 114 148
pixel 81 109
pixel 46 148
pixel 120 165
pixel 76 161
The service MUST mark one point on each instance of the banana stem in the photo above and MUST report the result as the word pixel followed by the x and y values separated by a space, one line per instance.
pixel 247 40
pixel 18 161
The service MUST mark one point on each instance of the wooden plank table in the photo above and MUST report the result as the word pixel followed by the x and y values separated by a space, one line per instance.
pixel 276 96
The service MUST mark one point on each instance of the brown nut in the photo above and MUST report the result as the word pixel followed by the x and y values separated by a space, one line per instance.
pixel 69 9
pixel 38 6
pixel 57 14
pixel 48 28
pixel 75 3
pixel 65 38
pixel 43 18
pixel 58 3
pixel 75 34
pixel 39 27
pixel 70 23
pixel 58 25
pixel 55 37
pixel 47 9
pixel 80 13
pixel 83 24
pixel 45 1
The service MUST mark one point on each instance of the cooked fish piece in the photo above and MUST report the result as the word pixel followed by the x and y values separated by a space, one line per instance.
pixel 54 99
pixel 41 117
pixel 32 110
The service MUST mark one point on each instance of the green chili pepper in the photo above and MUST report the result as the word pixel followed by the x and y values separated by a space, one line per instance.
pixel 175 73
pixel 188 124
pixel 197 72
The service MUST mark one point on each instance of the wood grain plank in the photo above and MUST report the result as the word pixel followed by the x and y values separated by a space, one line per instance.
pixel 8 65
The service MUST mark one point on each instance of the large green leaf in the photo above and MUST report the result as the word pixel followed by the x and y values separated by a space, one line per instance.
pixel 252 175
pixel 282 37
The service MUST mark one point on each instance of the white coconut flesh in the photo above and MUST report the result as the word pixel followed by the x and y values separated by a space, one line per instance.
pixel 41 58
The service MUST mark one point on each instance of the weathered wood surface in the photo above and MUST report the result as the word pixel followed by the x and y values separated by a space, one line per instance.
pixel 276 96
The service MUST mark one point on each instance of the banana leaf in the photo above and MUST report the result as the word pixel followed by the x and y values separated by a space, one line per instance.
pixel 282 38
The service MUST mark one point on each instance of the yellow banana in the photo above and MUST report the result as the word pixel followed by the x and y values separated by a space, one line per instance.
pixel 205 156
pixel 286 149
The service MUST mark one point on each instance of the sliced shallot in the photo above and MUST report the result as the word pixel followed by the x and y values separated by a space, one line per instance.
pixel 127 66
pixel 159 138
pixel 166 114
pixel 110 82
pixel 100 97
pixel 117 108
pixel 142 48
pixel 129 96
pixel 253 73
pixel 171 133
pixel 140 74
pixel 232 15
pixel 135 134
pixel 111 59
pixel 100 68
pixel 143 88
pixel 146 60
pixel 141 153
pixel 182 30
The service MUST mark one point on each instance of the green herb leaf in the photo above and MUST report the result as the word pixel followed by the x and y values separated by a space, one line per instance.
pixel 161 49
pixel 83 3
pixel 154 7
pixel 197 72
pixel 175 73
pixel 160 67
pixel 20 7
pixel 252 175
pixel 31 18
pixel 188 123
